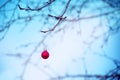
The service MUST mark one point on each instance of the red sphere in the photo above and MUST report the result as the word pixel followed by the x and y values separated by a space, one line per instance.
pixel 45 54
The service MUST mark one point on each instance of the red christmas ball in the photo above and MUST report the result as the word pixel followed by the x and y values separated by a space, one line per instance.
pixel 45 54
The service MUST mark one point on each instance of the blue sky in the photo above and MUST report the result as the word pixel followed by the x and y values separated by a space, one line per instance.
pixel 72 50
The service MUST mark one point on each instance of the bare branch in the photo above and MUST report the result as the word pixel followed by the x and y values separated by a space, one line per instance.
pixel 93 16
pixel 36 9
pixel 105 77
pixel 5 4
pixel 60 18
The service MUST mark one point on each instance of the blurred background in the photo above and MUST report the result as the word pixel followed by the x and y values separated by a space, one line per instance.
pixel 81 36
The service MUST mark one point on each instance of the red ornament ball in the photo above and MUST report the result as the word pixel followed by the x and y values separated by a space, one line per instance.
pixel 45 54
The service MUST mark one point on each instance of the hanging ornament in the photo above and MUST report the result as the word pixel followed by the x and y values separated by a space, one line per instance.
pixel 45 54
